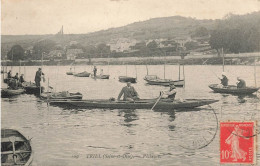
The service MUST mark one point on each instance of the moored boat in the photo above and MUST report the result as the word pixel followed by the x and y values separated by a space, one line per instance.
pixel 139 104
pixel 232 89
pixel 155 80
pixel 82 74
pixel 127 79
pixel 70 73
pixel 5 92
pixel 100 76
pixel 31 88
pixel 60 95
pixel 15 148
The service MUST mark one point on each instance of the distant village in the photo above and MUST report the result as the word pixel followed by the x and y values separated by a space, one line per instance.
pixel 119 47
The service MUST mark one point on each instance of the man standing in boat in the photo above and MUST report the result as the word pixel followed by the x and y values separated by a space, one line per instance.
pixel 95 71
pixel 169 94
pixel 224 80
pixel 38 76
pixel 129 92
pixel 241 83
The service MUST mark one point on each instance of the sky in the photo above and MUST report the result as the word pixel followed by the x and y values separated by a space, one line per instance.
pixel 19 17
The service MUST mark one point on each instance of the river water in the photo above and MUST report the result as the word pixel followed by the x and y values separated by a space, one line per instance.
pixel 67 136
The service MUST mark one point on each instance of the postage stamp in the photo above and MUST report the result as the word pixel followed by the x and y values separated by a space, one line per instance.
pixel 238 142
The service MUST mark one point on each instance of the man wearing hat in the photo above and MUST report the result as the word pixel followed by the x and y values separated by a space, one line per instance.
pixel 171 93
pixel 129 92
pixel 37 78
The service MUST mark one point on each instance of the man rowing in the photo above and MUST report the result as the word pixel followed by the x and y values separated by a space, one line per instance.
pixel 129 93
pixel 170 94
pixel 241 83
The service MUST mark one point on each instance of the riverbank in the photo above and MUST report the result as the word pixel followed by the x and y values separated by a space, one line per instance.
pixel 230 59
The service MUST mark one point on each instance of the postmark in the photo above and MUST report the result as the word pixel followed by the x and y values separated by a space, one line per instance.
pixel 238 142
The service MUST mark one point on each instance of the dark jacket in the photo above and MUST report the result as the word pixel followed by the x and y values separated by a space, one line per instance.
pixel 38 76
pixel 129 92
pixel 224 81
pixel 241 84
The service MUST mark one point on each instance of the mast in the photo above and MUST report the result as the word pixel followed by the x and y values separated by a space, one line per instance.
pixel 255 72
pixel 223 59
pixel 20 67
pixel 179 72
pixel 12 60
pixel 183 73
pixel 164 65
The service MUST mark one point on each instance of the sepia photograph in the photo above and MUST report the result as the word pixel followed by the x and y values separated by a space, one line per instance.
pixel 130 82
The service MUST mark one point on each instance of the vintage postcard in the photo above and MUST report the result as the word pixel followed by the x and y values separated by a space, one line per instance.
pixel 130 82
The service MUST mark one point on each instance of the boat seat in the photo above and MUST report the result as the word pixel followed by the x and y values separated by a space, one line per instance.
pixel 17 139
pixel 16 152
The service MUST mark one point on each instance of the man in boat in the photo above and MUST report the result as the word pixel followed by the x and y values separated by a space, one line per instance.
pixel 9 74
pixel 169 94
pixel 38 76
pixel 95 71
pixel 16 76
pixel 241 83
pixel 224 80
pixel 129 92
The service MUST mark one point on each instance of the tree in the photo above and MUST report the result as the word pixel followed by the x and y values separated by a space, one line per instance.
pixel 152 45
pixel 43 46
pixel 16 53
pixel 200 32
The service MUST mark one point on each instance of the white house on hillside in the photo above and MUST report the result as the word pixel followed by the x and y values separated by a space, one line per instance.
pixel 73 53
pixel 121 44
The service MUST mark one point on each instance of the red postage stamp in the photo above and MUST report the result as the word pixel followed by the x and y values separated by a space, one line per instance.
pixel 237 142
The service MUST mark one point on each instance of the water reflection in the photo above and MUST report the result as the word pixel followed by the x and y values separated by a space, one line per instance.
pixel 129 116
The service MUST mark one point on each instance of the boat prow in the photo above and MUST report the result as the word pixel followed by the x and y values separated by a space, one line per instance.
pixel 232 89
pixel 127 79
pixel 5 92
pixel 82 74
pixel 15 148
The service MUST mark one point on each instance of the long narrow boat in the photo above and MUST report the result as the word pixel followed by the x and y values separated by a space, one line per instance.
pixel 155 80
pixel 31 88
pixel 127 79
pixel 15 148
pixel 232 89
pixel 82 74
pixel 61 95
pixel 139 104
pixel 5 92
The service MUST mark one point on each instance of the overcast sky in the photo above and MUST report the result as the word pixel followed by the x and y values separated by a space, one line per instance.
pixel 83 16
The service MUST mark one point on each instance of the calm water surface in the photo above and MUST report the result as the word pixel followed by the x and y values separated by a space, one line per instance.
pixel 67 136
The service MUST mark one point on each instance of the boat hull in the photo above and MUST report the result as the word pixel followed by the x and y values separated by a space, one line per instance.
pixel 69 73
pixel 31 88
pixel 231 89
pixel 139 104
pixel 83 74
pixel 100 77
pixel 11 92
pixel 127 79
pixel 22 148
pixel 165 82
pixel 60 96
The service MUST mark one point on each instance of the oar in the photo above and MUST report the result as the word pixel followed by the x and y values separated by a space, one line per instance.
pixel 157 101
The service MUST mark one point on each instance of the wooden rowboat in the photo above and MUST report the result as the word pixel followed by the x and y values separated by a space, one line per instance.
pixel 154 80
pixel 100 76
pixel 82 74
pixel 61 95
pixel 15 148
pixel 138 104
pixel 70 73
pixel 232 89
pixel 5 92
pixel 127 79
pixel 31 88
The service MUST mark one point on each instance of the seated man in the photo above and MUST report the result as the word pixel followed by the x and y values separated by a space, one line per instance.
pixel 129 92
pixel 169 94
pixel 224 80
pixel 241 83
